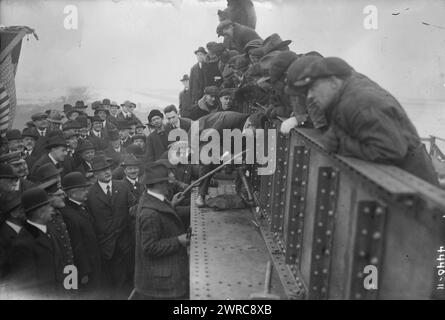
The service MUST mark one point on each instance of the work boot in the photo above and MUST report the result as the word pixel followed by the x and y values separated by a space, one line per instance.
pixel 200 201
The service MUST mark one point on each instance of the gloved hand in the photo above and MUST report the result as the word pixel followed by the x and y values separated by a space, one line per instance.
pixel 288 125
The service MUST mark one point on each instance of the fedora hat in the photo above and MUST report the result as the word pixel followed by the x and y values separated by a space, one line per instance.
pixel 123 124
pixel 10 201
pixel 30 132
pixel 106 102
pixel 73 110
pixel 80 104
pixel 50 186
pixel 96 118
pixel 99 163
pixel 74 180
pixel 130 160
pixel 34 198
pixel 274 42
pixel 13 134
pixel 96 104
pixel 39 116
pixel 84 146
pixel 99 109
pixel 185 78
pixel 47 172
pixel 71 124
pixel 11 157
pixel 113 135
pixel 6 172
pixel 55 116
pixel 56 141
pixel 67 107
pixel 155 172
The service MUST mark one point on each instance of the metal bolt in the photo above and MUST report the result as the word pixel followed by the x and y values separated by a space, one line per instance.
pixel 378 211
pixel 319 240
pixel 374 260
pixel 358 295
pixel 315 272
pixel 376 235
pixel 364 232
pixel 320 224
pixel 328 232
pixel 324 174
pixel 302 199
pixel 299 230
pixel 362 253
pixel 332 193
pixel 317 257
pixel 314 288
pixel 292 232
pixel 321 207
pixel 327 252
pixel 323 190
pixel 291 245
pixel 304 167
pixel 293 219
pixel 301 215
pixel 298 247
pixel 296 179
pixel 330 213
pixel 366 210
pixel 325 271
pixel 295 193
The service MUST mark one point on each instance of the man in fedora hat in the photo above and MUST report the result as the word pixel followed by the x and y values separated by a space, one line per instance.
pixel 54 119
pixel 85 153
pixel 34 255
pixel 132 170
pixel 114 150
pixel 30 137
pixel 56 226
pixel 12 218
pixel 185 98
pixel 124 128
pixel 140 129
pixel 111 120
pixel 109 202
pixel 127 112
pixel 157 141
pixel 8 178
pixel 161 270
pixel 98 135
pixel 80 226
pixel 80 105
pixel 15 140
pixel 197 75
pixel 20 168
pixel 57 152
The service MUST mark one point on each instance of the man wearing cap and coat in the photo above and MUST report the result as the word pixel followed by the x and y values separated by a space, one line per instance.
pixel 80 225
pixel 185 98
pixel 207 104
pixel 109 202
pixel 236 36
pixel 197 76
pixel 161 270
pixel 157 141
pixel 365 120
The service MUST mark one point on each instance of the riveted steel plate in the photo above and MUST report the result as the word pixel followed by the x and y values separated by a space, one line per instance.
pixel 369 245
pixel 322 242
pixel 227 253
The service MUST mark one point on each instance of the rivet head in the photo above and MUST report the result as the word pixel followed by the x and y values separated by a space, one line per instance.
pixel 327 252
pixel 358 295
pixel 323 191
pixel 299 230
pixel 364 232
pixel 325 271
pixel 359 275
pixel 321 207
pixel 317 257
pixel 314 288
pixel 376 235
pixel 320 224
pixel 318 240
pixel 328 232
pixel 315 272
pixel 362 253
pixel 374 260
pixel 323 290
pixel 298 247
pixel 366 210
pixel 378 211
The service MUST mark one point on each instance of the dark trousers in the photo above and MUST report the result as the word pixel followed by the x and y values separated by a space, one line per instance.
pixel 118 274
pixel 204 185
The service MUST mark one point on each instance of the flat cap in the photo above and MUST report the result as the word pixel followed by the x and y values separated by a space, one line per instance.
pixel 223 25
pixel 322 68
pixel 295 72
pixel 226 92
pixel 201 49
pixel 39 116
pixel 211 90
pixel 13 134
pixel 280 64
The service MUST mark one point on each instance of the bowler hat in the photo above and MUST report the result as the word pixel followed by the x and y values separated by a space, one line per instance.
pixel 13 134
pixel 323 68
pixel 10 201
pixel 154 113
pixel 55 116
pixel 106 102
pixel 71 124
pixel 82 120
pixel 96 118
pixel 6 172
pixel 99 109
pixel 39 116
pixel 130 160
pixel 46 172
pixel 154 173
pixel 34 198
pixel 211 90
pixel 50 186
pixel 66 108
pixel 115 104
pixel 70 134
pixel 185 78
pixel 30 132
pixel 128 103
pixel 113 135
pixel 56 141
pixel 84 146
pixel 74 180
pixel 96 104
pixel 80 104
pixel 70 112
pixel 201 49
pixel 99 163
pixel 140 125
pixel 280 63
pixel 11 157
pixel 295 71
pixel 123 124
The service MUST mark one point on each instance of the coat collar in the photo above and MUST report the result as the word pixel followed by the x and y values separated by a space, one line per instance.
pixel 150 202
pixel 38 235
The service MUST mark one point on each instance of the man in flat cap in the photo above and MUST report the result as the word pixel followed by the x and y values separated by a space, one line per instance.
pixel 127 112
pixel 197 75
pixel 365 120
pixel 157 141
pixel 20 168
pixel 161 270
pixel 212 73
pixel 236 35
pixel 207 104
pixel 185 98
pixel 109 202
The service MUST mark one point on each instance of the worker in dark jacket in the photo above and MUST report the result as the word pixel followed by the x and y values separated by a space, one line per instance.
pixel 85 153
pixel 197 76
pixel 80 225
pixel 157 141
pixel 185 98
pixel 365 121
pixel 237 34
pixel 161 242
pixel 207 104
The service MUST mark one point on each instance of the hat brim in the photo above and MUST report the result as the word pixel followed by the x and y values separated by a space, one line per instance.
pixel 108 166
pixel 55 121
pixel 148 181
pixel 85 185
pixel 11 206
pixel 56 145
pixel 36 206
pixel 49 183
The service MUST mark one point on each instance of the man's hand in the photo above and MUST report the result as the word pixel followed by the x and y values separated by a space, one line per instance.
pixel 177 199
pixel 288 125
pixel 184 240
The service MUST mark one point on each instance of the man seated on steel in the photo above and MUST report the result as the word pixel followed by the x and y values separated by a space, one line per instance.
pixel 365 120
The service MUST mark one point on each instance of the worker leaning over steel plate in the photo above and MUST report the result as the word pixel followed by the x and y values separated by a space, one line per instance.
pixel 365 120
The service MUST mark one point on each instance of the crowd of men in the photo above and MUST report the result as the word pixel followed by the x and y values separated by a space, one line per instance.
pixel 94 189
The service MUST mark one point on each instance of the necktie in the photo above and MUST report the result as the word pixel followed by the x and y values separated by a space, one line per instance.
pixel 109 192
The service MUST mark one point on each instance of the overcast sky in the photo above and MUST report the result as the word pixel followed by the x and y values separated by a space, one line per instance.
pixel 139 49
